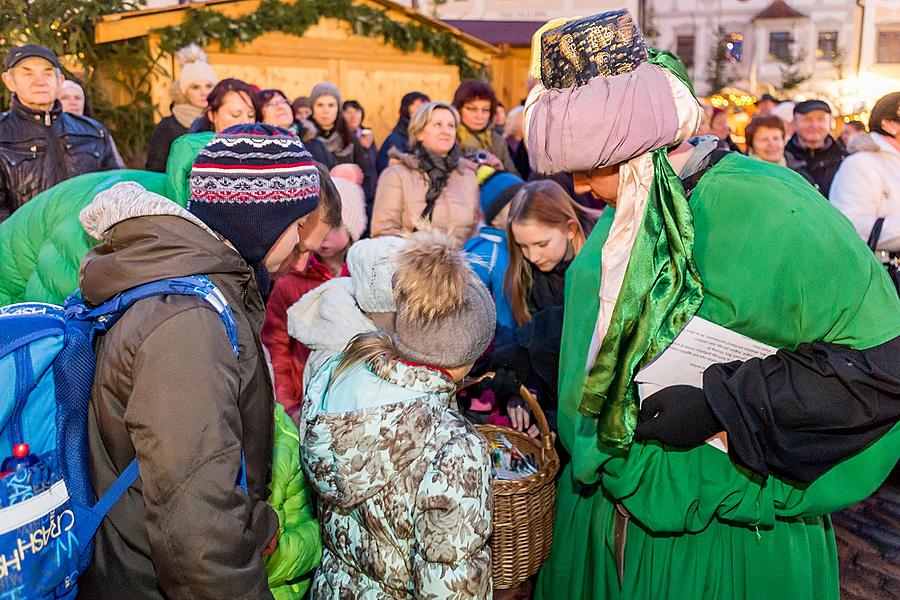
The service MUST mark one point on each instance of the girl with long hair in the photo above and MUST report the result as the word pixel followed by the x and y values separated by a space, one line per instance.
pixel 336 135
pixel 546 229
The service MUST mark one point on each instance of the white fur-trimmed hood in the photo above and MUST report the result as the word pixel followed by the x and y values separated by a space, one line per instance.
pixel 327 317
pixel 127 200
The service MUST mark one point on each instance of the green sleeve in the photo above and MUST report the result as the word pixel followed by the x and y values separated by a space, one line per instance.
pixel 299 544
pixel 674 491
pixel 43 242
pixel 178 168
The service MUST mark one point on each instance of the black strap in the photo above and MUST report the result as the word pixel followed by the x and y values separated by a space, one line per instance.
pixel 691 181
pixel 876 233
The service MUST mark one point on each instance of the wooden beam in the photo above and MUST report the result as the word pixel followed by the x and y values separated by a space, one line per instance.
pixel 137 23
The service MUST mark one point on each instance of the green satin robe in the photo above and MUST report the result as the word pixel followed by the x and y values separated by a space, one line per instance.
pixel 778 264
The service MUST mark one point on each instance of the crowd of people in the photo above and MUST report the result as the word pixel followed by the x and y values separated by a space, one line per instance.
pixel 552 246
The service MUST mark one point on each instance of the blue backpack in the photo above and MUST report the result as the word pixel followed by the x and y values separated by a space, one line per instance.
pixel 48 516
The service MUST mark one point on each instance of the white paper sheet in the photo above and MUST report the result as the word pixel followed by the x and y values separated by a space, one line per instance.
pixel 700 344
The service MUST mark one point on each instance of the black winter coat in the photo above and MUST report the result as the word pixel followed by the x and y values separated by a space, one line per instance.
pixel 38 149
pixel 821 163
pixel 167 131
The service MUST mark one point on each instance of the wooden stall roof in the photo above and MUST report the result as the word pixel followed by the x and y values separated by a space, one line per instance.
pixel 137 23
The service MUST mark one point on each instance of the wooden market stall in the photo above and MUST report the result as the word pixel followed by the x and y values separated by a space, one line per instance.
pixel 365 68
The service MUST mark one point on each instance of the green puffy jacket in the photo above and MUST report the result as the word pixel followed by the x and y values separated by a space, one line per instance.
pixel 299 543
pixel 41 247
pixel 42 243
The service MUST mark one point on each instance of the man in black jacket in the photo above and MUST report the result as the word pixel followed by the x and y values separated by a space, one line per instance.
pixel 40 145
pixel 813 145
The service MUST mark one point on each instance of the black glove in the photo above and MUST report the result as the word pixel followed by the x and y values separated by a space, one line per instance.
pixel 513 358
pixel 677 416
pixel 504 384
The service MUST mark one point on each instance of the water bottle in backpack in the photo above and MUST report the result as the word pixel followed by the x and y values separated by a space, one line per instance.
pixel 49 511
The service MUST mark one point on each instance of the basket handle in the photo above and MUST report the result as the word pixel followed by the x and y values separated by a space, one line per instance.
pixel 543 425
pixel 536 410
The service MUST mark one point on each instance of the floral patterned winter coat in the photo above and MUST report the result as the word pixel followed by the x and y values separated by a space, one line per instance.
pixel 403 484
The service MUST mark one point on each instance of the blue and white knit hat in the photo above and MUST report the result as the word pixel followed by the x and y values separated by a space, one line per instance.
pixel 250 183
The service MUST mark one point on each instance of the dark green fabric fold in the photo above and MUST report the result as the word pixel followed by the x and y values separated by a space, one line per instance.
pixel 660 292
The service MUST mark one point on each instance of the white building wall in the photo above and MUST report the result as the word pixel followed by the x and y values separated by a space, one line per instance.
pixel 758 72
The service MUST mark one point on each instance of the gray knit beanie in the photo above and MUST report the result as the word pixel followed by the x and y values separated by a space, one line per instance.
pixel 326 88
pixel 445 315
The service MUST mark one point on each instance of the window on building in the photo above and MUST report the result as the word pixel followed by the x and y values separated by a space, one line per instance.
pixel 734 47
pixel 827 48
pixel 780 45
pixel 889 46
pixel 684 48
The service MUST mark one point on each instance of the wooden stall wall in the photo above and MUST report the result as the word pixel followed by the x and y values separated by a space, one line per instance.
pixel 364 69
pixel 509 75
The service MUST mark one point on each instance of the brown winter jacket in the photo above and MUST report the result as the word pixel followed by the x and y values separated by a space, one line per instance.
pixel 400 200
pixel 169 389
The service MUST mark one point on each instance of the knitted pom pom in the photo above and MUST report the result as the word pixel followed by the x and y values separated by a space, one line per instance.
pixel 431 276
pixel 190 54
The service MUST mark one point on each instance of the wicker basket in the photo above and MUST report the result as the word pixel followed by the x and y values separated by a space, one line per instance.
pixel 524 508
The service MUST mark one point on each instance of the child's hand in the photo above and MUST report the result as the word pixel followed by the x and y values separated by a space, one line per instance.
pixel 519 416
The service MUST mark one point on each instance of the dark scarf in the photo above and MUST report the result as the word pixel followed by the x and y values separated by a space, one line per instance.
pixel 547 288
pixel 333 140
pixel 437 169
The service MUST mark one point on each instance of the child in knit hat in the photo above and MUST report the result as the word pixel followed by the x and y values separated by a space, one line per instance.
pixel 404 481
pixel 487 249
pixel 188 93
pixel 168 388
pixel 324 320
pixel 303 275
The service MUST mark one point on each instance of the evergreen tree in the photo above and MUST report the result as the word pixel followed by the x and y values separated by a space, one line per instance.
pixel 791 67
pixel 719 73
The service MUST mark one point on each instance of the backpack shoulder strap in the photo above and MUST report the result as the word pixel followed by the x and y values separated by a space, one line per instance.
pixel 101 318
pixel 104 316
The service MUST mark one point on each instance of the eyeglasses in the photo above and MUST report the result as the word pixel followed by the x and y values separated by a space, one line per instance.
pixel 277 102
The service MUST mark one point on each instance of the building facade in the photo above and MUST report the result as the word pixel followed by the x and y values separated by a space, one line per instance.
pixel 845 52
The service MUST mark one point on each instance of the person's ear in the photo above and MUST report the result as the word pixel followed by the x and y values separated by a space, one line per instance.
pixel 571 229
pixel 9 81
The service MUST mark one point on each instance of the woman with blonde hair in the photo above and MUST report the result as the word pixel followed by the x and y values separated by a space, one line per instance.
pixel 431 185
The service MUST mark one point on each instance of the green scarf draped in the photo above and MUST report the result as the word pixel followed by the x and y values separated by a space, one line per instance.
pixel 473 141
pixel 660 292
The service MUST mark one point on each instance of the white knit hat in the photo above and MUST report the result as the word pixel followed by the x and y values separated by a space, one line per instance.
pixel 784 111
pixel 353 206
pixel 194 67
pixel 371 265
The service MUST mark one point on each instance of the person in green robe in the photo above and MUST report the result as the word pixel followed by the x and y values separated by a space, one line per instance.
pixel 646 509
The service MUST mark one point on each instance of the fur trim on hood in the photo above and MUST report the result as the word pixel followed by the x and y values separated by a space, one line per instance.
pixel 127 200
pixel 308 130
pixel 327 317
pixel 410 161
pixel 862 142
